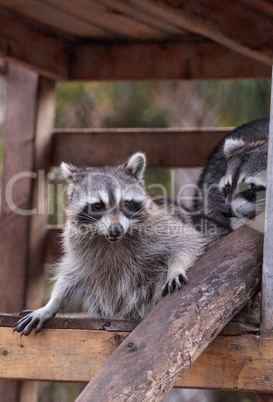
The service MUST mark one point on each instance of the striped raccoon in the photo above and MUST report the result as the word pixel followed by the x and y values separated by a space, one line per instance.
pixel 233 182
pixel 123 249
pixel 232 189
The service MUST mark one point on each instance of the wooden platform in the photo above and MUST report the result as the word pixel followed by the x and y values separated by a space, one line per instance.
pixel 74 349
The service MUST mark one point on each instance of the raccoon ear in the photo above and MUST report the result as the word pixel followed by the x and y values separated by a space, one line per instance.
pixel 231 144
pixel 67 171
pixel 135 166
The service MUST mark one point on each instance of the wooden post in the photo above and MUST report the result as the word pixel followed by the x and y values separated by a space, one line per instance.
pixel 28 96
pixel 267 281
pixel 165 344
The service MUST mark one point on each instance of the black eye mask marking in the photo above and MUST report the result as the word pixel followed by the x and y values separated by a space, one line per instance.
pixel 91 212
pixel 253 192
pixel 132 209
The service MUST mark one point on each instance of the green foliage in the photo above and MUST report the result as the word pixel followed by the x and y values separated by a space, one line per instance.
pixel 123 104
pixel 239 101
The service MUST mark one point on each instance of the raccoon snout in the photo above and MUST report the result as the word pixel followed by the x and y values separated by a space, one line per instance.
pixel 115 231
pixel 227 211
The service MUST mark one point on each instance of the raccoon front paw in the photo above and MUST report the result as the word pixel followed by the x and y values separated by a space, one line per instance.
pixel 174 283
pixel 30 320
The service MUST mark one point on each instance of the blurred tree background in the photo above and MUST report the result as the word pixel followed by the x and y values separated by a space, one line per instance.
pixel 154 104
pixel 161 103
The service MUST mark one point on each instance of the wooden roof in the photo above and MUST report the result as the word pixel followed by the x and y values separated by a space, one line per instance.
pixel 139 39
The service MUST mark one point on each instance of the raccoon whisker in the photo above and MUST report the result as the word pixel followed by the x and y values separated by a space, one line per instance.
pixel 132 216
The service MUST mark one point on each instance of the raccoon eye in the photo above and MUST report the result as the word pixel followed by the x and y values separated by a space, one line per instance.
pixel 132 208
pixel 227 186
pixel 98 206
pixel 251 187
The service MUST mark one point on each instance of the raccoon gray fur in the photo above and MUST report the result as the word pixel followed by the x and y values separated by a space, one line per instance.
pixel 123 249
pixel 233 182
pixel 232 189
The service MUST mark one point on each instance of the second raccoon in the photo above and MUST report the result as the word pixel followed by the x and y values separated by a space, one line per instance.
pixel 233 182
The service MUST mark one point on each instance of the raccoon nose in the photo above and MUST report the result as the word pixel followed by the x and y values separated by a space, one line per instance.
pixel 227 211
pixel 115 230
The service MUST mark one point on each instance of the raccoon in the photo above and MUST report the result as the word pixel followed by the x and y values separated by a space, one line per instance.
pixel 233 183
pixel 232 189
pixel 123 249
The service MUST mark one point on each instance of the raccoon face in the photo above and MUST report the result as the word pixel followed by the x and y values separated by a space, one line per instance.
pixel 244 185
pixel 107 201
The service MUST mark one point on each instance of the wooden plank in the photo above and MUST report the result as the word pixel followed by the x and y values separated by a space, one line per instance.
pixel 187 59
pixel 85 322
pixel 26 151
pixel 45 54
pixel 45 115
pixel 128 9
pixel 263 6
pixel 58 361
pixel 227 25
pixel 19 133
pixel 267 304
pixel 55 17
pixel 231 363
pixel 163 147
pixel 239 363
pixel 107 18
pixel 220 283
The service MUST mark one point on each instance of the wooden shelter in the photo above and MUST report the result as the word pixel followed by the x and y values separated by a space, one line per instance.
pixel 46 41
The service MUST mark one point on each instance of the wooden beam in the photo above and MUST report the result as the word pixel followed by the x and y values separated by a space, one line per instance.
pixel 227 24
pixel 267 286
pixel 45 54
pixel 232 363
pixel 167 342
pixel 28 127
pixel 45 116
pixel 189 59
pixel 18 139
pixel 84 321
pixel 163 147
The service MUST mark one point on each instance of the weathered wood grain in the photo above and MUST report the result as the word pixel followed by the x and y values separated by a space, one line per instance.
pixel 45 116
pixel 27 46
pixel 18 140
pixel 267 300
pixel 85 322
pixel 233 363
pixel 227 24
pixel 163 147
pixel 56 355
pixel 183 324
pixel 187 59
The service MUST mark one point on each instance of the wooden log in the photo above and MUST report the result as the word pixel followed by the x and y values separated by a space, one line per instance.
pixel 166 343
pixel 163 147
pixel 189 59
pixel 267 304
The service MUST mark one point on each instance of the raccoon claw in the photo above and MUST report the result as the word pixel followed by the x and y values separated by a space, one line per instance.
pixel 25 312
pixel 30 320
pixel 174 283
